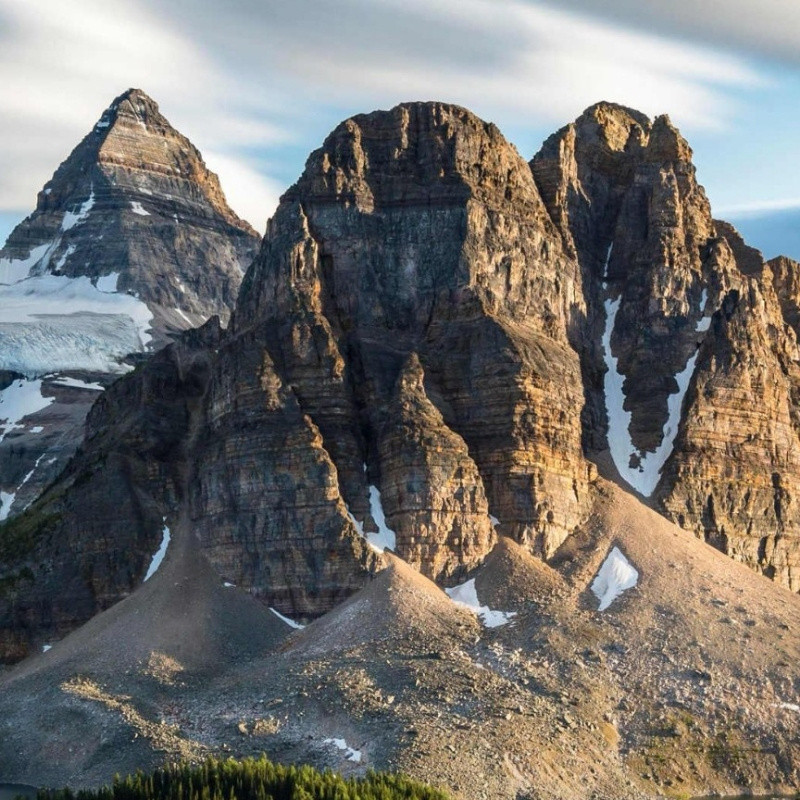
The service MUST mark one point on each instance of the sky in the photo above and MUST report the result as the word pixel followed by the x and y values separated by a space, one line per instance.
pixel 257 84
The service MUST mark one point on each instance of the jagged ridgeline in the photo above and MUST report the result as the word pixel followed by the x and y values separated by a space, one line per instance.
pixel 251 779
pixel 437 344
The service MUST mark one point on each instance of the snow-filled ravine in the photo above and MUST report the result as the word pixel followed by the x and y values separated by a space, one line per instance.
pixel 7 498
pixel 466 595
pixel 644 475
pixel 290 622
pixel 615 576
pixel 158 557
pixel 385 536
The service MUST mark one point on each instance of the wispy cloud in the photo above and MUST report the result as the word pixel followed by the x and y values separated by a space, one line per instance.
pixel 242 78
pixel 767 29
pixel 757 208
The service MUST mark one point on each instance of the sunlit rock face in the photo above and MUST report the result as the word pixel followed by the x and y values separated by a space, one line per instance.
pixel 433 344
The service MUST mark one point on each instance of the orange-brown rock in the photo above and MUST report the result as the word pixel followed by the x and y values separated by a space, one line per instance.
pixel 432 493
pixel 265 498
pixel 734 477
pixel 421 230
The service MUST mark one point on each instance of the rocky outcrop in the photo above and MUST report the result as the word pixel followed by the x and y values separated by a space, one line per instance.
pixel 623 192
pixel 414 231
pixel 432 339
pixel 432 492
pixel 131 241
pixel 421 230
pixel 700 416
pixel 265 497
pixel 734 478
pixel 89 539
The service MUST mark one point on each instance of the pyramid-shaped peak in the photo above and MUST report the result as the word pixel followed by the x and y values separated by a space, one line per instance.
pixel 136 107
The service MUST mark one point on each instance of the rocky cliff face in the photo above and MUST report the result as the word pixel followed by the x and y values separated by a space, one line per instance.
pixel 421 230
pixel 88 540
pixel 433 341
pixel 416 240
pixel 697 414
pixel 733 478
pixel 623 191
pixel 131 241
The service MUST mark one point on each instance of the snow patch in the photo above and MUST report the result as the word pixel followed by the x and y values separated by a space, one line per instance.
pixel 704 323
pixel 159 556
pixel 74 383
pixel 36 429
pixel 13 270
pixel 229 585
pixel 46 647
pixel 385 537
pixel 107 283
pixel 73 218
pixel 790 706
pixel 608 261
pixel 616 575
pixel 190 323
pixel 290 622
pixel 6 501
pixel 466 595
pixel 19 400
pixel 136 207
pixel 495 522
pixel 350 753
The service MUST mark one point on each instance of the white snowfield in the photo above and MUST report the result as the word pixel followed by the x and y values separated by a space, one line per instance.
pixel 350 754
pixel 155 563
pixel 137 208
pixel 466 595
pixel 13 270
pixel 73 218
pixel 19 400
pixel 52 323
pixel 6 500
pixel 615 576
pixel 644 475
pixel 75 383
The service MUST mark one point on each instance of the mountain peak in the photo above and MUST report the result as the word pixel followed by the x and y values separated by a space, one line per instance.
pixel 121 196
pixel 133 108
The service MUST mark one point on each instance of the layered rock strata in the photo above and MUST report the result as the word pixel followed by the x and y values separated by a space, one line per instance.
pixel 131 241
pixel 421 230
pixel 698 415
pixel 430 341
pixel 432 490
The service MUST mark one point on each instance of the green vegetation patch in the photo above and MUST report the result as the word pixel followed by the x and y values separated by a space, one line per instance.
pixel 251 779
pixel 20 535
